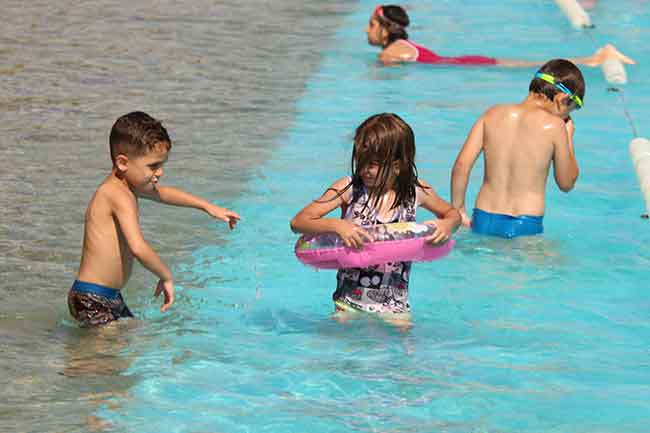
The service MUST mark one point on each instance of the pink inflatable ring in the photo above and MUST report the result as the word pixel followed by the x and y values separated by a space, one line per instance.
pixel 397 242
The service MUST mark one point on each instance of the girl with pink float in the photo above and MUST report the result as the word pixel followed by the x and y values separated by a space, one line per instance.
pixel 384 188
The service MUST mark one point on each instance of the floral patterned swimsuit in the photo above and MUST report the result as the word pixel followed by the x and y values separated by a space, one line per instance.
pixel 380 288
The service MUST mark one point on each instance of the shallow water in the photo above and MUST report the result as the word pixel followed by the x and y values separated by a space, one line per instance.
pixel 222 76
pixel 542 334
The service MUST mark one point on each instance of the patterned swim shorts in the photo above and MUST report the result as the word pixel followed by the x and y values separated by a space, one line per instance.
pixel 93 305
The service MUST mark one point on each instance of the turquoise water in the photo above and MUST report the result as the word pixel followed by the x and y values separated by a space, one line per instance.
pixel 543 334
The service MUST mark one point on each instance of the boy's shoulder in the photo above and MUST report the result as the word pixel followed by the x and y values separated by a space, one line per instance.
pixel 507 109
pixel 497 108
pixel 111 192
pixel 499 111
pixel 531 114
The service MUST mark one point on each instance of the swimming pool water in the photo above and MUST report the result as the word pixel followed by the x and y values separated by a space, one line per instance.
pixel 541 334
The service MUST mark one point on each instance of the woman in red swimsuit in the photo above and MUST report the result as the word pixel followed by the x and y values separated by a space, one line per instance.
pixel 387 29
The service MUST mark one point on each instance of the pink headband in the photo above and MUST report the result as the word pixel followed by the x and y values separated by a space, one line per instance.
pixel 379 12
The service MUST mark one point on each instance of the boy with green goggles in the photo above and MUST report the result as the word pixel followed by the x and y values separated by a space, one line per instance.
pixel 551 80
pixel 520 142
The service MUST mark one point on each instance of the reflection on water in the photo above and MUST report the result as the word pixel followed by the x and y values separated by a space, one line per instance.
pixel 223 78
pixel 95 360
pixel 59 375
pixel 98 352
pixel 533 250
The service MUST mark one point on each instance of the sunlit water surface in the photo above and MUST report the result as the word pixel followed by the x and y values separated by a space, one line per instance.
pixel 545 334
pixel 223 76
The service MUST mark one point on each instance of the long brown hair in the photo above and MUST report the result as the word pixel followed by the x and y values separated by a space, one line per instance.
pixel 388 140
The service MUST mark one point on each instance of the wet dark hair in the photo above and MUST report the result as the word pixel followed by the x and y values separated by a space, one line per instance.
pixel 385 139
pixel 395 21
pixel 136 134
pixel 564 72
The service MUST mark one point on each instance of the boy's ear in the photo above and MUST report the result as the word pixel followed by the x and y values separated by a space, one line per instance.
pixel 122 162
pixel 560 100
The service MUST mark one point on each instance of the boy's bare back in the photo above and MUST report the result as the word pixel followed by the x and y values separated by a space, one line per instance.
pixel 519 142
pixel 106 257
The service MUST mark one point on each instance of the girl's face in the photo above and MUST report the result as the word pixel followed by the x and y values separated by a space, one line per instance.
pixel 376 33
pixel 370 175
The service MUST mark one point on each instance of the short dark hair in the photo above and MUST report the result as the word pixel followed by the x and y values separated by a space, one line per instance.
pixel 136 134
pixel 564 72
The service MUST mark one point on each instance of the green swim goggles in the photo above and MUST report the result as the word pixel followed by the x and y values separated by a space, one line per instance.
pixel 564 89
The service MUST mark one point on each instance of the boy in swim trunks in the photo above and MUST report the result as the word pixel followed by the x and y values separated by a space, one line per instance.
pixel 139 147
pixel 519 143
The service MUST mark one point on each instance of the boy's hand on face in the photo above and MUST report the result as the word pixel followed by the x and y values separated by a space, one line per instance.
pixel 223 214
pixel 166 287
pixel 570 127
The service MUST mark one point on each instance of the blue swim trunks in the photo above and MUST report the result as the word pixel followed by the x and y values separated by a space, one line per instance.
pixel 92 304
pixel 506 226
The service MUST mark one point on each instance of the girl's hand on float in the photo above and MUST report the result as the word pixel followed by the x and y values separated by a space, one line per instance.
pixel 352 235
pixel 444 228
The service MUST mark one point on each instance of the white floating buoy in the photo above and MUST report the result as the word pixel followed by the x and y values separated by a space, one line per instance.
pixel 614 71
pixel 575 13
pixel 640 153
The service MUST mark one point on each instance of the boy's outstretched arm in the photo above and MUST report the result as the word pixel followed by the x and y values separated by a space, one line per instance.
pixel 465 160
pixel 125 210
pixel 310 219
pixel 565 165
pixel 176 197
